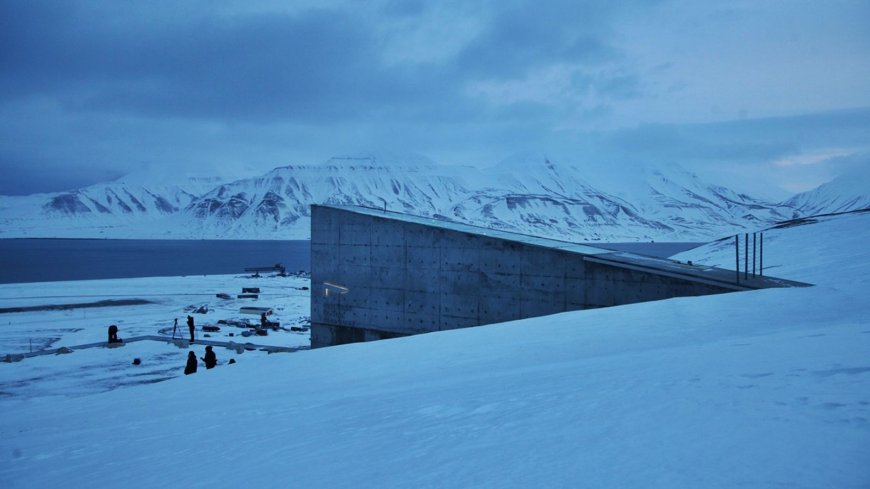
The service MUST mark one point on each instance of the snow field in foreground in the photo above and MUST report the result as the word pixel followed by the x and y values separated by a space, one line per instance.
pixel 757 389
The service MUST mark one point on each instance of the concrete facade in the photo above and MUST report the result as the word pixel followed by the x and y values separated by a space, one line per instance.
pixel 378 275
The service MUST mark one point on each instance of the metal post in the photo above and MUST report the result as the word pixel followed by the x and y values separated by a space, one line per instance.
pixel 737 256
pixel 746 256
pixel 753 253
pixel 761 256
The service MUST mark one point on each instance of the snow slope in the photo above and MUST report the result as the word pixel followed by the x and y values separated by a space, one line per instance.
pixel 764 389
pixel 847 192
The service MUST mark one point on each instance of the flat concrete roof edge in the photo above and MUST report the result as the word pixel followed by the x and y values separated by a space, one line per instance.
pixel 590 253
pixel 768 281
pixel 513 236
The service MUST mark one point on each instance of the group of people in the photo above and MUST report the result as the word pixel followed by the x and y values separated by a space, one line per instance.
pixel 210 360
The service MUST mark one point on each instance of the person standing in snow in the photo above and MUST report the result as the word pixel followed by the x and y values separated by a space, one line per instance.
pixel 190 368
pixel 190 326
pixel 210 358
pixel 113 334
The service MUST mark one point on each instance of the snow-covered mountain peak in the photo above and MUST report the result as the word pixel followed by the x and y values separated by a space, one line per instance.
pixel 849 191
pixel 854 182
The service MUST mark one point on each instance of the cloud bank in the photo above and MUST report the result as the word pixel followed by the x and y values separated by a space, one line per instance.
pixel 93 89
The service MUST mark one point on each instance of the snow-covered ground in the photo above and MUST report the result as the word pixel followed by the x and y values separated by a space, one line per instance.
pixel 93 370
pixel 756 389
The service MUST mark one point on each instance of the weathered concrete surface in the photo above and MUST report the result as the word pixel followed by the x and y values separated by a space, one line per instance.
pixel 378 275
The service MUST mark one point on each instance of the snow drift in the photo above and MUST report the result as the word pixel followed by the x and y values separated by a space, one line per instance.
pixel 754 389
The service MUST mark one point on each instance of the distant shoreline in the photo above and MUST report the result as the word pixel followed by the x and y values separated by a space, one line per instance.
pixel 79 305
pixel 150 239
pixel 25 260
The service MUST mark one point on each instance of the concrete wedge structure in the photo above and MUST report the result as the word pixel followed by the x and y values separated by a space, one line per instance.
pixel 377 274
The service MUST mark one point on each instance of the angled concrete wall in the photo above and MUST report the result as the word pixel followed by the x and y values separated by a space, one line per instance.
pixel 377 276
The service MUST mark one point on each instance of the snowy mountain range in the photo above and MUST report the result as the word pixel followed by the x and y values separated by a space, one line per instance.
pixel 529 194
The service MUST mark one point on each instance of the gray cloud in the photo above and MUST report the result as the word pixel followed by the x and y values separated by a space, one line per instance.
pixel 404 8
pixel 28 173
pixel 316 65
pixel 750 140
pixel 92 88
pixel 530 35
pixel 746 153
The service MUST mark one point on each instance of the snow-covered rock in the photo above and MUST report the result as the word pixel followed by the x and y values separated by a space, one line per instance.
pixel 847 192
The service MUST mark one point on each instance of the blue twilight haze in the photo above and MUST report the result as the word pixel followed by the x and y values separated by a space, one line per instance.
pixel 771 94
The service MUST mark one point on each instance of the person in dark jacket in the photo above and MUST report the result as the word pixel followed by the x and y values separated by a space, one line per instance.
pixel 190 327
pixel 210 358
pixel 113 334
pixel 191 363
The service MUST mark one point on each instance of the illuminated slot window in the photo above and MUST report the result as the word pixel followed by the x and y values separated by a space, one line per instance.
pixel 329 287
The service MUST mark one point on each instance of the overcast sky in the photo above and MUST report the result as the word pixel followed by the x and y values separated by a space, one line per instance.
pixel 772 92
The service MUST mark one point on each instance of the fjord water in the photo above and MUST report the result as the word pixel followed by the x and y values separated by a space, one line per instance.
pixel 48 260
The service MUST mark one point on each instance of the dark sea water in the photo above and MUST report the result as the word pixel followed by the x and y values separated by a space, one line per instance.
pixel 48 260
